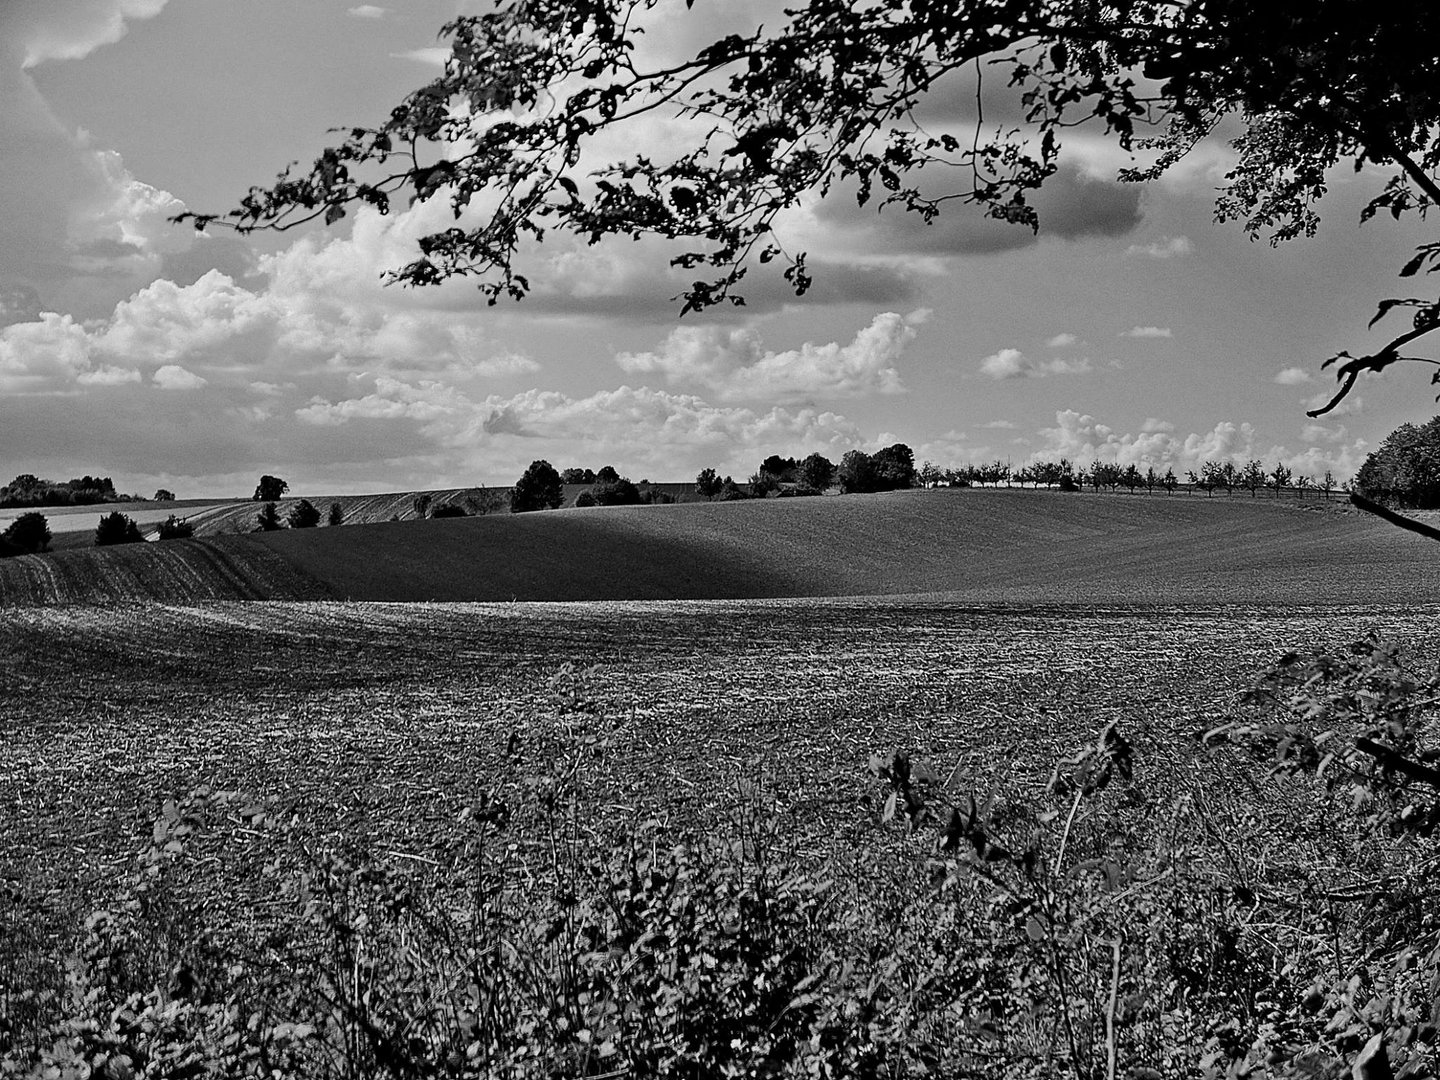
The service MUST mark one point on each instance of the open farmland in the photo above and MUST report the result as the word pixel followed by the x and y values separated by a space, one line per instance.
pixel 399 713
pixel 975 546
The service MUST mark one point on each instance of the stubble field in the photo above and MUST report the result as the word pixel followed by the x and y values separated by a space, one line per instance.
pixel 388 719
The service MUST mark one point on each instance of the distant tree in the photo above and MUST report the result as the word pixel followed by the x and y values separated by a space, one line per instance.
pixel 606 474
pixel 857 473
pixel 487 501
pixel 538 488
pixel 1131 478
pixel 817 471
pixel 618 492
pixel 421 505
pixel 448 510
pixel 303 515
pixel 1151 480
pixel 782 468
pixel 1252 477
pixel 268 520
pixel 731 491
pixel 1303 483
pixel 1214 475
pixel 164 495
pixel 1279 478
pixel 116 528
pixel 270 489
pixel 1026 474
pixel 762 484
pixel 336 516
pixel 1327 484
pixel 707 483
pixel 1229 476
pixel 895 467
pixel 1169 481
pixel 29 533
pixel 577 476
pixel 175 528
pixel 929 475
pixel 585 498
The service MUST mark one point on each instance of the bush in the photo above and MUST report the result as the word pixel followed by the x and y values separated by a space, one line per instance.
pixel 448 510
pixel 585 498
pixel 117 528
pixel 618 492
pixel 164 495
pixel 175 528
pixel 268 520
pixel 28 533
pixel 303 515
pixel 336 515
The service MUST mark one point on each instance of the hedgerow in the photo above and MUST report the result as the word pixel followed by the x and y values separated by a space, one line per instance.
pixel 1244 921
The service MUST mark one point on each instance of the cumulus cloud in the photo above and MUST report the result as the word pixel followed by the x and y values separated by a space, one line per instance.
pixel 367 11
pixel 45 30
pixel 650 430
pixel 175 377
pixel 1082 438
pixel 736 366
pixel 1167 247
pixel 1292 376
pixel 1013 364
pixel 1147 332
pixel 1061 341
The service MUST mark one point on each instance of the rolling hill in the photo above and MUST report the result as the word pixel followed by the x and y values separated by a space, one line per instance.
pixel 978 546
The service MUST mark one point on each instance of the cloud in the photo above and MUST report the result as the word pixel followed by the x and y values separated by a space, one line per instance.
pixel 434 55
pixel 1353 405
pixel 175 377
pixel 1000 425
pixel 1061 341
pixel 73 30
pixel 1013 364
pixel 1147 332
pixel 1082 438
pixel 367 11
pixel 1167 247
pixel 1293 376
pixel 734 364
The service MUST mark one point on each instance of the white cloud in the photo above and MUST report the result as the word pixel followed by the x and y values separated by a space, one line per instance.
pixel 108 375
pixel 367 11
pixel 1167 247
pixel 72 31
pixel 1000 425
pixel 1148 332
pixel 1061 341
pixel 1083 439
pixel 1292 376
pixel 1013 364
pixel 175 377
pixel 434 55
pixel 1353 405
pixel 735 365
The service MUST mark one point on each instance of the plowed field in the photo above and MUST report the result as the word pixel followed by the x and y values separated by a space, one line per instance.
pixel 398 713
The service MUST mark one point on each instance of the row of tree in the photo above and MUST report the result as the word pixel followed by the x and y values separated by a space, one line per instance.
pixel 1212 476
pixel 27 489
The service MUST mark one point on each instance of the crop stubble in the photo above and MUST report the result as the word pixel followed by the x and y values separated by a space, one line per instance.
pixel 386 720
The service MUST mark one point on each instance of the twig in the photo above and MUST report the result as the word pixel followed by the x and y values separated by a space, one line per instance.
pixel 1065 836
pixel 1399 520
pixel 1391 760
pixel 1114 1000
pixel 416 858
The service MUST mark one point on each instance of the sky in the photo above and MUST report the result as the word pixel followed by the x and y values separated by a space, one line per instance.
pixel 1135 328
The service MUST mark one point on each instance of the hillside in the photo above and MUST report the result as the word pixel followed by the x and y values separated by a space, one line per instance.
pixel 979 546
pixel 176 571
pixel 1014 546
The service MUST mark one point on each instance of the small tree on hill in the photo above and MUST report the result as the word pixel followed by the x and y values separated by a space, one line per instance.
pixel 1169 481
pixel 606 474
pixel 707 483
pixel 1327 484
pixel 1279 478
pixel 268 520
pixel 538 488
pixel 29 533
pixel 1252 477
pixel 577 476
pixel 164 495
pixel 619 492
pixel 175 528
pixel 270 489
pixel 422 505
pixel 303 515
pixel 817 471
pixel 116 528
pixel 336 515
pixel 731 491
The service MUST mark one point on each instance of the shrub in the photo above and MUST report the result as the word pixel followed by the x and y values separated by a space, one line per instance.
pixel 448 510
pixel 585 498
pixel 731 491
pixel 164 495
pixel 28 533
pixel 303 515
pixel 175 528
pixel 618 492
pixel 268 520
pixel 336 515
pixel 117 528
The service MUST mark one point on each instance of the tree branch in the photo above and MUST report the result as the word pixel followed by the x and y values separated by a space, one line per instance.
pixel 1398 520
